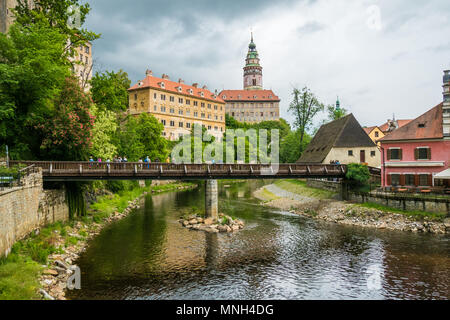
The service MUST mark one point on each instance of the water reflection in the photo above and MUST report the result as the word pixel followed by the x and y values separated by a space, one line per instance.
pixel 277 256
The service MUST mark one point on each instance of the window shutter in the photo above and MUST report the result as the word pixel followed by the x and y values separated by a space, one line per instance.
pixel 389 180
pixel 416 180
pixel 416 153
pixel 400 154
pixel 429 153
pixel 389 154
pixel 402 180
pixel 430 180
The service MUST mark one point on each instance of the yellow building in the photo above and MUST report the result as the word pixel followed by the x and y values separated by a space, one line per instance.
pixel 375 134
pixel 178 106
pixel 82 65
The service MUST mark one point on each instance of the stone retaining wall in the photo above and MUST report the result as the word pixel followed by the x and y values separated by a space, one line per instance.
pixel 404 203
pixel 439 205
pixel 325 185
pixel 26 208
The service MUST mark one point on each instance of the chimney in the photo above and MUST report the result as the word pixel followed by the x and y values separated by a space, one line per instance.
pixel 149 73
pixel 165 77
pixel 195 85
pixel 446 106
pixel 181 81
pixel 205 87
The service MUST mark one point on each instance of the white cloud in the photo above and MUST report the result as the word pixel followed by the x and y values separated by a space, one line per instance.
pixel 326 45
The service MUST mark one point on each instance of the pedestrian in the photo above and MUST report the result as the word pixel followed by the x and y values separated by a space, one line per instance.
pixel 91 160
pixel 140 163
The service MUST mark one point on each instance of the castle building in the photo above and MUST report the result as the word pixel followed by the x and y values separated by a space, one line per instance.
pixel 178 106
pixel 253 104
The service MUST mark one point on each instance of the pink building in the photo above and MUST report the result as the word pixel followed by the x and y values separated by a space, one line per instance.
pixel 414 155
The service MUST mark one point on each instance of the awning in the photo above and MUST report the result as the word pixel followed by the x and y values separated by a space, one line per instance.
pixel 443 175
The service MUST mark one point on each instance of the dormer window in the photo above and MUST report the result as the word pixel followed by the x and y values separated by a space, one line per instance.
pixel 202 94
pixel 179 89
pixel 224 97
pixel 191 91
pixel 162 84
pixel 421 125
pixel 255 97
pixel 140 83
pixel 270 97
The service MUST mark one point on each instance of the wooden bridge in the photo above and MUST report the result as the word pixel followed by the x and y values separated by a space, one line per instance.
pixel 89 171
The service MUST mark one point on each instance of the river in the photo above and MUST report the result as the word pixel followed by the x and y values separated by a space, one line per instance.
pixel 148 255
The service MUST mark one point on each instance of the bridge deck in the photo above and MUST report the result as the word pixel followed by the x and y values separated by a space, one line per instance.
pixel 88 171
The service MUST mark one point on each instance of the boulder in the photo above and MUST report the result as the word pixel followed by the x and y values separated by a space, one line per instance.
pixel 222 228
pixel 208 221
pixel 185 223
pixel 50 272
pixel 193 221
pixel 235 227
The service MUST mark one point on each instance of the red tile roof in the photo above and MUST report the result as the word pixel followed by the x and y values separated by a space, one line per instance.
pixel 172 86
pixel 384 127
pixel 370 129
pixel 249 95
pixel 427 126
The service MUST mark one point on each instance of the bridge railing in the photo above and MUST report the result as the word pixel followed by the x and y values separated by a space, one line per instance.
pixel 76 168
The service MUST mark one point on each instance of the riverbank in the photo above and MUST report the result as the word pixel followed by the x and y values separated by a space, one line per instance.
pixel 294 196
pixel 39 266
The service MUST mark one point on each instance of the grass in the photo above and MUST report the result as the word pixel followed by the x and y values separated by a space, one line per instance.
pixel 19 278
pixel 299 187
pixel 267 195
pixel 416 214
pixel 20 271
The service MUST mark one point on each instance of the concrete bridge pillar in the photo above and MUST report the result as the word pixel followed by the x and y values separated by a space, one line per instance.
pixel 211 199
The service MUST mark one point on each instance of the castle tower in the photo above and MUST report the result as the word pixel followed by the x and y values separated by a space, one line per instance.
pixel 252 69
pixel 446 106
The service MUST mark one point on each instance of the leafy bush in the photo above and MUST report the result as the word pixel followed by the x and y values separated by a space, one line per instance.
pixel 358 173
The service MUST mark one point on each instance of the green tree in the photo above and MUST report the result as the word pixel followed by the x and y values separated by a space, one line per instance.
pixel 32 74
pixel 110 90
pixel 291 148
pixel 141 137
pixel 335 113
pixel 67 133
pixel 358 173
pixel 305 106
pixel 66 16
pixel 102 134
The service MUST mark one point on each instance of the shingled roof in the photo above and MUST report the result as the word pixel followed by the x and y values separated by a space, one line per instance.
pixel 426 126
pixel 345 132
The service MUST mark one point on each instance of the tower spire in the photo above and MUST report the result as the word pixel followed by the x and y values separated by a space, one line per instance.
pixel 252 69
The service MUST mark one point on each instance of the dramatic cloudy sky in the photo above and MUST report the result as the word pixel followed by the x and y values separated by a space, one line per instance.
pixel 380 56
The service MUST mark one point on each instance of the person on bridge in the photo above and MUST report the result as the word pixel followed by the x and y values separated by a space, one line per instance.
pixel 148 161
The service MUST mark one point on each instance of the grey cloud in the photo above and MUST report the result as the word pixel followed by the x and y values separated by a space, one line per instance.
pixel 310 27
